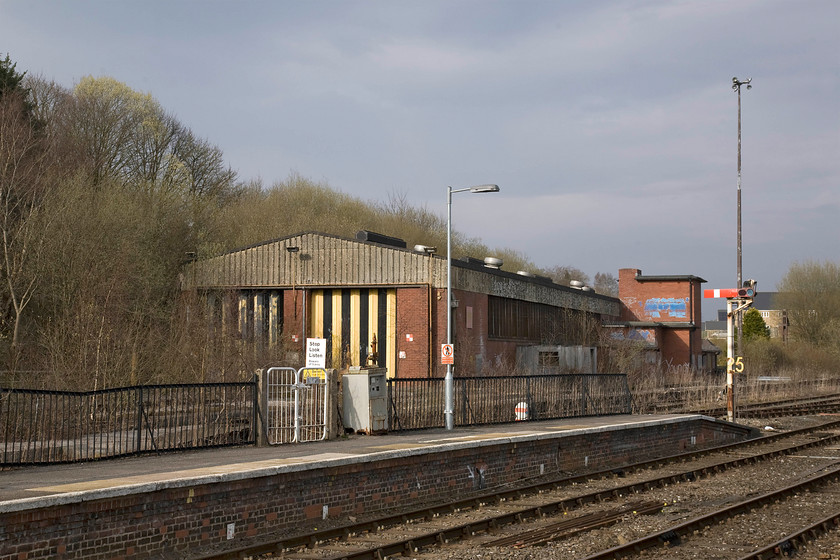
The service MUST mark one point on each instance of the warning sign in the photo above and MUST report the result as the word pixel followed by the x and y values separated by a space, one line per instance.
pixel 316 353
pixel 447 354
pixel 311 374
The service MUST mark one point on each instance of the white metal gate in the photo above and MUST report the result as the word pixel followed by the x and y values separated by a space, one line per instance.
pixel 296 404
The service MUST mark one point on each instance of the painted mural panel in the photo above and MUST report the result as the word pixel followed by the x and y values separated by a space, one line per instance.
pixel 673 308
pixel 635 334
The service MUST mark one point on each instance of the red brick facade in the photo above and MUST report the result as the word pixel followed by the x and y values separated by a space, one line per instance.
pixel 413 332
pixel 665 311
pixel 293 317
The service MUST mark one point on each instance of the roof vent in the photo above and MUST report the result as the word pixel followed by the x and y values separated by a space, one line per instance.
pixel 576 284
pixel 524 273
pixel 493 262
pixel 425 249
pixel 373 237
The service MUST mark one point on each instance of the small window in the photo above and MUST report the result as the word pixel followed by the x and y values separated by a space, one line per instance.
pixel 549 359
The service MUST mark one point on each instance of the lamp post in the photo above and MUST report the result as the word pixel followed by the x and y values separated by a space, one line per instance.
pixel 736 86
pixel 448 412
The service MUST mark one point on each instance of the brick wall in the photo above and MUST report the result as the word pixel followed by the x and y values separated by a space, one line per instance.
pixel 293 315
pixel 187 517
pixel 473 348
pixel 413 332
pixel 675 301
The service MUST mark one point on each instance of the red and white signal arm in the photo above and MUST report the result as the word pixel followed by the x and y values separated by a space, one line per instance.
pixel 718 293
pixel 447 354
pixel 729 293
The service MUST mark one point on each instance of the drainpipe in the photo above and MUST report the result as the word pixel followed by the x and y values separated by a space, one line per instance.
pixel 431 353
pixel 691 363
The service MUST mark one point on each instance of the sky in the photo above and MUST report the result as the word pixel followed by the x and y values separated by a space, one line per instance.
pixel 611 127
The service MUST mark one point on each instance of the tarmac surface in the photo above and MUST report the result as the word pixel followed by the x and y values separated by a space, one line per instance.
pixel 30 487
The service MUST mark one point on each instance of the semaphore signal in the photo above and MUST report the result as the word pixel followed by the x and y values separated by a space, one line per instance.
pixel 737 299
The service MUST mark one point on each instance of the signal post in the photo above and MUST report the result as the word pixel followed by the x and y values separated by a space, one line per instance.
pixel 737 299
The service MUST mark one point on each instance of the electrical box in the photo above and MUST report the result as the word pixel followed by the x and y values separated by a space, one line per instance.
pixel 366 400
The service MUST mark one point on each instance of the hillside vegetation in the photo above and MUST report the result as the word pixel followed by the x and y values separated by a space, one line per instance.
pixel 103 195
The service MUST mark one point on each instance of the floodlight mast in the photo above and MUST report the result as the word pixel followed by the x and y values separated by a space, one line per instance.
pixel 736 86
pixel 448 411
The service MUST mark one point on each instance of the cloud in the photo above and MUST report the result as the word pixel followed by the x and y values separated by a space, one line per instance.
pixel 610 126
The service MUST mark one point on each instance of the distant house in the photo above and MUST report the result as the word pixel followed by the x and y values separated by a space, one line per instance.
pixel 774 317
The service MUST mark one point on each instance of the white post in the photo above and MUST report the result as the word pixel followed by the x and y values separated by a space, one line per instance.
pixel 730 360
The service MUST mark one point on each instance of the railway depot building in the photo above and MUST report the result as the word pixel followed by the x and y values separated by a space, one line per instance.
pixel 377 302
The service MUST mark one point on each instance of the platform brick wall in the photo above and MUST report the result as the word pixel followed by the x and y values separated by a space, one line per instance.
pixel 174 522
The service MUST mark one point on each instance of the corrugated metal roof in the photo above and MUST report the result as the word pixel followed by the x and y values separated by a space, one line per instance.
pixel 323 260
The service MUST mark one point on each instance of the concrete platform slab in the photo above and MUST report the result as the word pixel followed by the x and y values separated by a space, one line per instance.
pixel 153 472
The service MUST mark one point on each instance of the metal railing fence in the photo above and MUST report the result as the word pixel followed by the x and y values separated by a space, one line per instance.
pixel 419 403
pixel 38 426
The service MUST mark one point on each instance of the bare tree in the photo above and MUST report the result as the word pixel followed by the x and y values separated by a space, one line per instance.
pixel 810 292
pixel 23 165
pixel 563 275
pixel 606 283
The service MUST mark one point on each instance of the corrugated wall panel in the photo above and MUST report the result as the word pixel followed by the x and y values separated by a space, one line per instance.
pixel 337 315
pixel 391 358
pixel 336 329
pixel 355 333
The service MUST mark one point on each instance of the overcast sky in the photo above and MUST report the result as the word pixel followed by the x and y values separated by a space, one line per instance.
pixel 611 127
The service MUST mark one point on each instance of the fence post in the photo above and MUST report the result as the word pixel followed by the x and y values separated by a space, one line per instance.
pixel 628 397
pixel 463 421
pixel 528 398
pixel 584 394
pixel 260 406
pixel 139 437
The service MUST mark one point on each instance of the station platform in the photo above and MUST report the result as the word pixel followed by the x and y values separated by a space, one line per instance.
pixel 183 500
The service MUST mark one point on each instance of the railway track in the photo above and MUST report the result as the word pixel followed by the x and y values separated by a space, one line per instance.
pixel 786 407
pixel 675 535
pixel 530 514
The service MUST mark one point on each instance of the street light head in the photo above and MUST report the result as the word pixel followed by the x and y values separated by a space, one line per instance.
pixel 749 86
pixel 484 188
